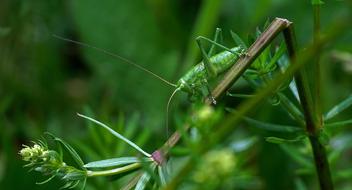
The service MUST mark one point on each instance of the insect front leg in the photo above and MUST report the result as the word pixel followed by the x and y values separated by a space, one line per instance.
pixel 211 71
pixel 211 97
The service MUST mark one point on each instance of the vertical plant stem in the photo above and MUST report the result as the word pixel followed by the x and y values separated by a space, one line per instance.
pixel 313 124
pixel 316 61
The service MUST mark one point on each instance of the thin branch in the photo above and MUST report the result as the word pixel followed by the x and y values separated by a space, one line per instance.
pixel 312 117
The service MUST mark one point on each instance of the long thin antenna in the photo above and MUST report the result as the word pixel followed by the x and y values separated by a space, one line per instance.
pixel 115 56
pixel 167 111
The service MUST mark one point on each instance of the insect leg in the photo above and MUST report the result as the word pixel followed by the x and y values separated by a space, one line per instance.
pixel 209 68
pixel 217 38
pixel 211 97
pixel 211 71
pixel 199 38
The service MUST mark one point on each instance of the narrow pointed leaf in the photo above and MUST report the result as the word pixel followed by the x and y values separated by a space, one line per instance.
pixel 278 55
pixel 45 181
pixel 339 123
pixel 292 110
pixel 71 150
pixel 162 174
pixel 132 182
pixel 84 184
pixel 115 162
pixel 118 135
pixel 278 140
pixel 238 40
pixel 143 181
pixel 239 95
pixel 338 108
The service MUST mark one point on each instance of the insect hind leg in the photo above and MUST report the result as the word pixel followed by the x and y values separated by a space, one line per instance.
pixel 202 38
pixel 217 38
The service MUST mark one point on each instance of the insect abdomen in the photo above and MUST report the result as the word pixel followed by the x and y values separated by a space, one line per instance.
pixel 224 60
pixel 221 62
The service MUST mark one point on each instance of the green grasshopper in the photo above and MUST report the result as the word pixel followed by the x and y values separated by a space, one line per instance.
pixel 194 81
pixel 197 77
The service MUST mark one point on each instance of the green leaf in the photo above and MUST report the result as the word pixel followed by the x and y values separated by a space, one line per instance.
pixel 239 95
pixel 278 140
pixel 115 162
pixel 71 150
pixel 339 123
pixel 277 56
pixel 84 184
pixel 46 181
pixel 132 182
pixel 75 175
pixel 118 135
pixel 344 174
pixel 338 108
pixel 143 181
pixel 238 40
pixel 291 108
pixel 162 174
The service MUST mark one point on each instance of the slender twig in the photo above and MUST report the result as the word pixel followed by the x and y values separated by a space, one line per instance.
pixel 311 105
pixel 313 123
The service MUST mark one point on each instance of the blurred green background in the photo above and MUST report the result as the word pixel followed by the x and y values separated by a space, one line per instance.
pixel 44 81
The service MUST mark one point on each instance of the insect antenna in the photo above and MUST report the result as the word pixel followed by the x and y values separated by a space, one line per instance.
pixel 115 56
pixel 167 111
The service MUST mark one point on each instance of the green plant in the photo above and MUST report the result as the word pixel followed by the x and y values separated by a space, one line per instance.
pixel 267 71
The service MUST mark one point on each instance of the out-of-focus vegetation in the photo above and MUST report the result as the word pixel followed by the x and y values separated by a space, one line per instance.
pixel 44 82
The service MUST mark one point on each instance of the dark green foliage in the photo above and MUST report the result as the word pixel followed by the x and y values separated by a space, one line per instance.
pixel 44 82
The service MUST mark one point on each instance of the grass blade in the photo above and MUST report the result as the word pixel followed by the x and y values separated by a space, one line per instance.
pixel 338 108
pixel 118 135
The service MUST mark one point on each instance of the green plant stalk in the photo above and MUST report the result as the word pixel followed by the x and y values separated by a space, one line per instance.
pixel 114 171
pixel 313 124
pixel 247 106
pixel 316 64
